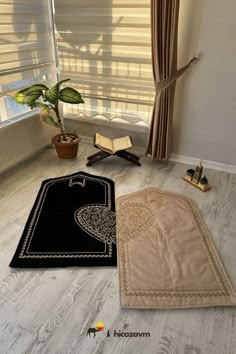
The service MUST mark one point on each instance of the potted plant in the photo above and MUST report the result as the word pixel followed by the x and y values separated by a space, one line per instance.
pixel 47 100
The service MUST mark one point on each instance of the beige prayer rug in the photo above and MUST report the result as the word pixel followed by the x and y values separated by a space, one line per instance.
pixel 166 255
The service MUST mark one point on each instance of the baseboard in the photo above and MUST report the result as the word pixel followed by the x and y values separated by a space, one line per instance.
pixel 86 139
pixel 181 158
pixel 207 164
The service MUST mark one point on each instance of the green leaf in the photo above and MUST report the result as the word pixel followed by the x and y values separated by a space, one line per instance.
pixel 60 82
pixel 52 94
pixel 33 88
pixel 27 98
pixel 34 104
pixel 44 111
pixel 23 90
pixel 37 87
pixel 49 120
pixel 70 95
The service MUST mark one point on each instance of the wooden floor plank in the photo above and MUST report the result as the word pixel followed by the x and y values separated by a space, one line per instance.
pixel 50 310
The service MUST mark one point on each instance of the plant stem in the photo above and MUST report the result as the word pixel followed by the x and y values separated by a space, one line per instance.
pixel 59 120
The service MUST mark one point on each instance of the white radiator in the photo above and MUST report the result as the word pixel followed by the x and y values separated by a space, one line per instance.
pixel 22 139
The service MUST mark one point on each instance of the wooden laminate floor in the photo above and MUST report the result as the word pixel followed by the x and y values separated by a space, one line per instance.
pixel 50 310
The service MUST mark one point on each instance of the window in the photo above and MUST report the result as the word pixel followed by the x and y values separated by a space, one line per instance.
pixel 105 48
pixel 26 50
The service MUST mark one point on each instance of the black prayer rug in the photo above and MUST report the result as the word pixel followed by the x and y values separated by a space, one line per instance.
pixel 72 223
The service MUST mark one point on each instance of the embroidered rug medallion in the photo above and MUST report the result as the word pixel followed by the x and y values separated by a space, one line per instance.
pixel 72 223
pixel 166 256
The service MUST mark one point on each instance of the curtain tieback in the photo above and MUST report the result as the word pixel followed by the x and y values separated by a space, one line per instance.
pixel 163 84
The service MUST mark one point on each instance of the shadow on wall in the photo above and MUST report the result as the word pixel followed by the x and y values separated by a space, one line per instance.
pixel 93 49
pixel 80 49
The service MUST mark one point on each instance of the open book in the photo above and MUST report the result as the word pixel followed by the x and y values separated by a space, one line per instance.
pixel 112 146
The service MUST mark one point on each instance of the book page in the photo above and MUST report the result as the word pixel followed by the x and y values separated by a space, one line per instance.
pixel 104 143
pixel 122 143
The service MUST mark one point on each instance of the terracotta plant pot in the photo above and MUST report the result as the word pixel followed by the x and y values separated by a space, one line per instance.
pixel 66 150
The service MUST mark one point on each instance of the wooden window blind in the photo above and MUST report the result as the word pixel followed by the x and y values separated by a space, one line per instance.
pixel 26 46
pixel 105 48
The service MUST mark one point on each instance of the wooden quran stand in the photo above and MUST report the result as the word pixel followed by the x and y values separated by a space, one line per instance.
pixel 101 154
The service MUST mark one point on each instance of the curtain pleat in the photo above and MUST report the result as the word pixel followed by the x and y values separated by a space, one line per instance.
pixel 164 36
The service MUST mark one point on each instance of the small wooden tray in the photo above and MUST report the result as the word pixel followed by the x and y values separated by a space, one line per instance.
pixel 202 187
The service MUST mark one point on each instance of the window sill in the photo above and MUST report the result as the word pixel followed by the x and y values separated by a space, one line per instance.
pixel 19 118
pixel 115 123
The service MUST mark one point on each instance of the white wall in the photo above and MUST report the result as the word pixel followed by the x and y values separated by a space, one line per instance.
pixel 205 102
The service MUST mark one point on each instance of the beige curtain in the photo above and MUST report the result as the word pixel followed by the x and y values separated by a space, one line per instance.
pixel 164 33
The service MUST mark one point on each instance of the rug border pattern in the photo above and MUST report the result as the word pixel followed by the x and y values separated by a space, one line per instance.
pixel 209 247
pixel 35 215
